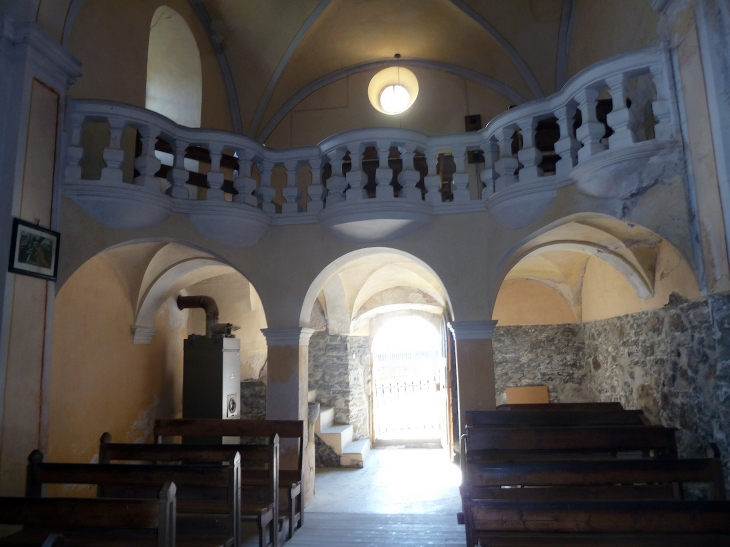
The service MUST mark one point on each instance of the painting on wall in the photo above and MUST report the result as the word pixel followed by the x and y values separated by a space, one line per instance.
pixel 34 250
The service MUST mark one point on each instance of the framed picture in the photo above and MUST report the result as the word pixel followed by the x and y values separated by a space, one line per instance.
pixel 34 250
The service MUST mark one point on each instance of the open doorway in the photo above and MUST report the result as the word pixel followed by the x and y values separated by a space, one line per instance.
pixel 408 373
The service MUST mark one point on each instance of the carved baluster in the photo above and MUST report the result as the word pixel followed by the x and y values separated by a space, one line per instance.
pixel 619 118
pixel 215 177
pixel 291 191
pixel 489 175
pixel 567 147
pixel 266 192
pixel 507 164
pixel 178 175
pixel 113 154
pixel 336 184
pixel 74 152
pixel 432 181
pixel 591 130
pixel 148 164
pixel 383 174
pixel 316 190
pixel 409 177
pixel 245 184
pixel 356 177
pixel 529 156
pixel 461 177
pixel 665 129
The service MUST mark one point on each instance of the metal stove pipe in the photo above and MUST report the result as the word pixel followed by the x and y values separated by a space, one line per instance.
pixel 206 303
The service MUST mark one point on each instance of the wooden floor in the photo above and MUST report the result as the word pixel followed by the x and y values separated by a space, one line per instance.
pixel 374 530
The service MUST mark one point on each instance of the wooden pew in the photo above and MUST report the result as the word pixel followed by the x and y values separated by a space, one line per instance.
pixel 87 522
pixel 577 442
pixel 555 418
pixel 289 479
pixel 593 523
pixel 263 509
pixel 208 496
pixel 552 407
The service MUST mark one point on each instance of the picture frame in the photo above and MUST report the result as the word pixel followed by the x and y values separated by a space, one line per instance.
pixel 34 250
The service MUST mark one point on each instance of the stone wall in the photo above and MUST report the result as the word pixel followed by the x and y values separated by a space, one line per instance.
pixel 253 400
pixel 541 354
pixel 673 363
pixel 339 369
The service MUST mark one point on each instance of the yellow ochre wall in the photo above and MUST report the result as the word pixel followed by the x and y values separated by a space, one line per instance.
pixel 100 381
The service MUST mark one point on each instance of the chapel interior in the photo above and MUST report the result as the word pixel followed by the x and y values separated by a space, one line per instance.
pixel 548 208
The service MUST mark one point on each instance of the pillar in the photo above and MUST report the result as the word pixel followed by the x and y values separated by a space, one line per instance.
pixel 286 394
pixel 36 75
pixel 474 366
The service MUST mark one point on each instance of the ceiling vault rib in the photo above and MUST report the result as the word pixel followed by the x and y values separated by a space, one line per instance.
pixel 73 11
pixel 274 80
pixel 220 55
pixel 527 74
pixel 487 81
pixel 566 26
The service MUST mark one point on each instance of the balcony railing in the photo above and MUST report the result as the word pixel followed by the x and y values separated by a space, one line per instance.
pixel 357 182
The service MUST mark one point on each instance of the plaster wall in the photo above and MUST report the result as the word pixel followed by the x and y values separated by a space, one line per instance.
pixel 702 155
pixel 238 304
pixel 344 105
pixel 530 302
pixel 100 381
pixel 607 293
pixel 23 428
pixel 605 29
pixel 111 38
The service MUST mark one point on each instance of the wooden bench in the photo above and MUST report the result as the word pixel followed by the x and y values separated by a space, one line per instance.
pixel 553 407
pixel 87 522
pixel 208 496
pixel 289 479
pixel 261 507
pixel 555 418
pixel 577 442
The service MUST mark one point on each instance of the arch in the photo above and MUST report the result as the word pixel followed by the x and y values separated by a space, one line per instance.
pixel 319 83
pixel 174 70
pixel 341 264
pixel 631 250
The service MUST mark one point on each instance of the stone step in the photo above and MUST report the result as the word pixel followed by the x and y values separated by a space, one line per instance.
pixel 354 453
pixel 326 417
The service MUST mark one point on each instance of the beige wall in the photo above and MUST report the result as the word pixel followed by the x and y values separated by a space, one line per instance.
pixel 606 293
pixel 22 427
pixel 604 28
pixel 529 302
pixel 100 381
pixel 110 38
pixel 344 105
pixel 238 303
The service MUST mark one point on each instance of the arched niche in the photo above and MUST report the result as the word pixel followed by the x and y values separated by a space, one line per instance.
pixel 174 73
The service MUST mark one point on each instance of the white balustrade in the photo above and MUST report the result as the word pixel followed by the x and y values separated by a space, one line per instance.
pixel 356 177
pixel 317 191
pixel 291 191
pixel 503 174
pixel 266 192
pixel 408 178
pixel 383 174
pixel 113 154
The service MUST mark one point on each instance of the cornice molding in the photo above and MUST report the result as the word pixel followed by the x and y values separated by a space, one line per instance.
pixel 298 336
pixel 472 330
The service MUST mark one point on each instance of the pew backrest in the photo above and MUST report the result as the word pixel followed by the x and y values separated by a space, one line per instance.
pixel 579 442
pixel 64 514
pixel 555 418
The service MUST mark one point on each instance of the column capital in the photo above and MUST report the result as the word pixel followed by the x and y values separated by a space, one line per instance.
pixel 297 336
pixel 472 330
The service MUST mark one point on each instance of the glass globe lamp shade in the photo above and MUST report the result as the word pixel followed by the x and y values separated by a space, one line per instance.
pixel 394 99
